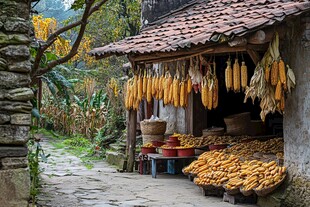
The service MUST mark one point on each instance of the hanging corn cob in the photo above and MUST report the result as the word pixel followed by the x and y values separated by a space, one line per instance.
pixel 131 94
pixel 236 76
pixel 282 73
pixel 161 86
pixel 215 87
pixel 215 93
pixel 140 88
pixel 210 91
pixel 278 92
pixel 267 66
pixel 189 84
pixel 228 76
pixel 127 95
pixel 135 87
pixel 182 92
pixel 149 89
pixel 144 85
pixel 244 76
pixel 166 88
pixel 204 92
pixel 176 92
pixel 274 73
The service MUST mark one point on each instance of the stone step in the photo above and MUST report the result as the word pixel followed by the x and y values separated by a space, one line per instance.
pixel 117 147
pixel 116 158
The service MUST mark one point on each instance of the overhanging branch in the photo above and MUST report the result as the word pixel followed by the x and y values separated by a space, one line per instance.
pixel 88 11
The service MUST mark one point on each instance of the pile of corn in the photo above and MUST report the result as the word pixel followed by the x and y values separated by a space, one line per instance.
pixel 222 168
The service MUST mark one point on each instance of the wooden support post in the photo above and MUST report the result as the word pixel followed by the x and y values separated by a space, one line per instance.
pixel 131 136
pixel 254 56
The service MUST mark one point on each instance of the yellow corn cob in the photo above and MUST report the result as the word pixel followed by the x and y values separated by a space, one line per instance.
pixel 244 76
pixel 176 93
pixel 135 87
pixel 278 92
pixel 182 89
pixel 131 97
pixel 189 85
pixel 215 93
pixel 140 88
pixel 127 95
pixel 170 91
pixel 236 76
pixel 228 76
pixel 144 85
pixel 166 90
pixel 149 90
pixel 282 102
pixel 274 73
pixel 267 73
pixel 204 93
pixel 136 104
pixel 282 73
pixel 210 97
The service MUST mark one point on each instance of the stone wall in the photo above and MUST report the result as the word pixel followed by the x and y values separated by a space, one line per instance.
pixel 297 114
pixel 15 107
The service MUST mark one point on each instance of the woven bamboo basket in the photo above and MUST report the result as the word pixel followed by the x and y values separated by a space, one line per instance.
pixel 266 191
pixel 246 192
pixel 153 127
pixel 217 131
pixel 237 124
pixel 231 191
pixel 149 138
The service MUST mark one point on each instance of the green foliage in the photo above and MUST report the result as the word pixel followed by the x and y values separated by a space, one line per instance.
pixel 35 155
pixel 77 4
pixel 117 19
pixel 77 142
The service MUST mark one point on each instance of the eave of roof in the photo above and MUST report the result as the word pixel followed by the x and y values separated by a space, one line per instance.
pixel 200 21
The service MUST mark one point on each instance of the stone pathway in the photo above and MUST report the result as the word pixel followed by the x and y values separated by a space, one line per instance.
pixel 67 182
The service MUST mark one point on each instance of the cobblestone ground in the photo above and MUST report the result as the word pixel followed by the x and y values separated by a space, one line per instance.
pixel 67 182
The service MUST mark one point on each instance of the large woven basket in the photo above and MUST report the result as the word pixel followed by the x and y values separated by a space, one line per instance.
pixel 153 127
pixel 266 191
pixel 237 124
pixel 149 138
pixel 217 131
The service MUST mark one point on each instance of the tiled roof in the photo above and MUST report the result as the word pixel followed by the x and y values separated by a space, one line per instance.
pixel 199 20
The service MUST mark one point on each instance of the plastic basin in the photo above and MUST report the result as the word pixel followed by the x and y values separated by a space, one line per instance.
pixel 186 152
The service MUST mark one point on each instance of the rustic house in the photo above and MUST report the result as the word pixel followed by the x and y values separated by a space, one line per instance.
pixel 182 29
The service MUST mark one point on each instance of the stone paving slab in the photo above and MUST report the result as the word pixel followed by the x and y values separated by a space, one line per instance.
pixel 67 182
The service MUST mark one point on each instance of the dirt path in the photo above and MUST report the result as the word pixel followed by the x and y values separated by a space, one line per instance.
pixel 67 182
